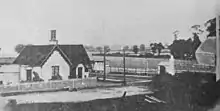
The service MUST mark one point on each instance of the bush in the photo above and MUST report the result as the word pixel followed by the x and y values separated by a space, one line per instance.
pixel 58 77
pixel 37 77
pixel 196 89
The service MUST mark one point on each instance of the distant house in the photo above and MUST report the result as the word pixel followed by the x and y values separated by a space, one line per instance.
pixel 9 73
pixel 98 66
pixel 53 62
pixel 98 63
pixel 165 52
pixel 6 60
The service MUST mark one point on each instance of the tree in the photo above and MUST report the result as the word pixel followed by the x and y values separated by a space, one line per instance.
pixel 135 49
pixel 19 47
pixel 211 27
pixel 159 47
pixel 153 47
pixel 142 47
pixel 126 48
pixel 176 33
pixel 195 44
pixel 196 41
pixel 107 48
pixel 99 49
pixel 196 29
pixel 156 47
pixel 181 49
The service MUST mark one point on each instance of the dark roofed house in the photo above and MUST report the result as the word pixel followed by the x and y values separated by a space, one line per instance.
pixel 53 61
pixel 7 60
pixel 9 73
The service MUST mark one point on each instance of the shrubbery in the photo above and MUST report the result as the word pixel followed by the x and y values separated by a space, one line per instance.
pixel 194 90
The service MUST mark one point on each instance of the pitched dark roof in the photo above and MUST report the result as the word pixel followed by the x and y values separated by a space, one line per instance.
pixel 76 54
pixel 36 55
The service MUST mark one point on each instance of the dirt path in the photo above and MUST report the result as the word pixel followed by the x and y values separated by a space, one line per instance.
pixel 81 95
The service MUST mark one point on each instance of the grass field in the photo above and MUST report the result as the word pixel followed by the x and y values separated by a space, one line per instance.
pixel 132 62
pixel 152 64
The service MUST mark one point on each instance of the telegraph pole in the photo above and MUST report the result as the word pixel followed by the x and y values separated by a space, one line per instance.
pixel 104 76
pixel 217 45
pixel 124 66
pixel 103 30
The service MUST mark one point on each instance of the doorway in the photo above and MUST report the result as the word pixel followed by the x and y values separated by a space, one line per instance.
pixel 29 74
pixel 80 72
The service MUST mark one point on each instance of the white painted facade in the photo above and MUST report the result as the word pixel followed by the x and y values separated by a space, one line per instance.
pixel 84 74
pixel 45 72
pixel 55 60
pixel 169 65
pixel 9 74
pixel 98 66
pixel 13 73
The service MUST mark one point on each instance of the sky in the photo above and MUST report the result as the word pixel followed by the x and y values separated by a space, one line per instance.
pixel 98 22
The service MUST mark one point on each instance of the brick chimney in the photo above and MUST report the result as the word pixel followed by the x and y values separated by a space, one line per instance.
pixel 53 40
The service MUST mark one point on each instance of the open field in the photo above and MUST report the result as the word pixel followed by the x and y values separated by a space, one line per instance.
pixel 132 62
pixel 142 65
pixel 120 77
pixel 129 78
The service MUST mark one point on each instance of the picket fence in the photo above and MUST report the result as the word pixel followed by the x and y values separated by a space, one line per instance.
pixel 50 85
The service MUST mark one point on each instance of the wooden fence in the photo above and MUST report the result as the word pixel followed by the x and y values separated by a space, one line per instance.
pixel 178 68
pixel 50 85
pixel 132 70
pixel 195 68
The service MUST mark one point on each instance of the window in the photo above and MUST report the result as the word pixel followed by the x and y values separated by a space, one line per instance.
pixel 29 74
pixel 55 70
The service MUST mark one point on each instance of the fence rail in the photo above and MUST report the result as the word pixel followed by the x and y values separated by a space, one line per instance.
pixel 178 68
pixel 50 85
pixel 132 70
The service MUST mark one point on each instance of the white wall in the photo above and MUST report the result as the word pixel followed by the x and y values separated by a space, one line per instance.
pixel 98 66
pixel 9 78
pixel 84 73
pixel 9 73
pixel 55 59
pixel 83 70
pixel 23 75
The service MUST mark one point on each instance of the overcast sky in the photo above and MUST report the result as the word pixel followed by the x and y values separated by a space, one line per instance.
pixel 98 22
